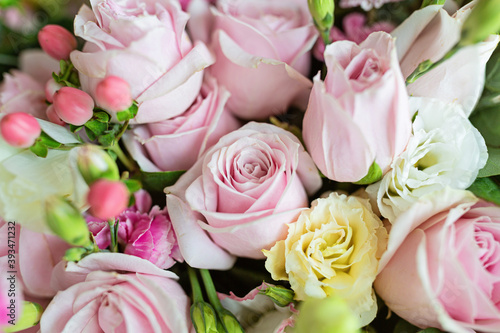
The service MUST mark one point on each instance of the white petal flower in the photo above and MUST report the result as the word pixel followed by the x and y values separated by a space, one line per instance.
pixel 444 151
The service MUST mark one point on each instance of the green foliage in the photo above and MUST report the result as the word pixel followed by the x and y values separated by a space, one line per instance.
pixel 487 189
pixel 157 181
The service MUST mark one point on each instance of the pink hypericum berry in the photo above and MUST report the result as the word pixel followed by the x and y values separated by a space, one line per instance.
pixel 51 87
pixel 53 117
pixel 20 129
pixel 113 94
pixel 56 41
pixel 73 106
pixel 107 198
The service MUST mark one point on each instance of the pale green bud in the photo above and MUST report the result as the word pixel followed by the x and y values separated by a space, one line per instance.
pixel 483 21
pixel 65 221
pixel 75 254
pixel 327 315
pixel 204 318
pixel 280 295
pixel 30 317
pixel 94 163
pixel 231 324
pixel 322 13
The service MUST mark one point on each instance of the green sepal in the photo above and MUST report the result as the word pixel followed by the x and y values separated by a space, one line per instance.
pixel 128 114
pixel 374 175
pixel 39 149
pixel 46 140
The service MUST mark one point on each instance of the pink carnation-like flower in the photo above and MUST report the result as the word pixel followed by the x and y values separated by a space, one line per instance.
pixel 144 232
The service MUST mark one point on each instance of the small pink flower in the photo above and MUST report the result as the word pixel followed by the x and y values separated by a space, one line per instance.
pixel 107 198
pixel 56 41
pixel 113 94
pixel 73 106
pixel 19 129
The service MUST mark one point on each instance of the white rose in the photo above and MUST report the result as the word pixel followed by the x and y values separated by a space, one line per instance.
pixel 26 180
pixel 332 250
pixel 444 151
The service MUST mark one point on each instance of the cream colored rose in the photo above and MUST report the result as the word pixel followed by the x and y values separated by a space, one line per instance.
pixel 332 249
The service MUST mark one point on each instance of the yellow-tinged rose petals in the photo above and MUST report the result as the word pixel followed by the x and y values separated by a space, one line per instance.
pixel 332 249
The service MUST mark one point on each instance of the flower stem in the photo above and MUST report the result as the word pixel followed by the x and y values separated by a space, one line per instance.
pixel 195 285
pixel 210 289
pixel 113 227
pixel 128 163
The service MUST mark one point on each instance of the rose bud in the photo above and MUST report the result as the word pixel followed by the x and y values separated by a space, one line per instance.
pixel 73 106
pixel 65 220
pixel 53 117
pixel 19 129
pixel 107 198
pixel 113 94
pixel 51 87
pixel 56 41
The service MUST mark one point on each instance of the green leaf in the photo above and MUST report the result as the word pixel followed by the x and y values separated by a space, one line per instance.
pixel 133 185
pixel 402 326
pixel 430 330
pixel 487 189
pixel 39 149
pixel 157 181
pixel 74 128
pixel 48 141
pixel 101 116
pixel 426 3
pixel 107 139
pixel 492 167
pixel 96 126
pixel 492 80
pixel 374 175
pixel 487 121
pixel 90 134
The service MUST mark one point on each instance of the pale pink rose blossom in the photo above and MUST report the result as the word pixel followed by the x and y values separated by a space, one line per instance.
pixel 145 44
pixel 241 192
pixel 143 231
pixel 262 49
pixel 365 4
pixel 177 143
pixel 355 29
pixel 428 34
pixel 359 114
pixel 145 300
pixel 447 248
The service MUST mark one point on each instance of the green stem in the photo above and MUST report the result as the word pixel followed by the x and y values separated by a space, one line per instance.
pixel 425 67
pixel 210 289
pixel 113 229
pixel 122 130
pixel 195 286
pixel 68 72
pixel 128 163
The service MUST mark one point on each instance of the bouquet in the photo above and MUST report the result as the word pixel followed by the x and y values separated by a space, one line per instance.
pixel 250 166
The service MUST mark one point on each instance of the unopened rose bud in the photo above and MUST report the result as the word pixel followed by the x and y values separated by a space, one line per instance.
pixel 56 41
pixel 330 314
pixel 281 296
pixel 19 129
pixel 113 94
pixel 53 116
pixel 32 312
pixel 73 106
pixel 94 163
pixel 107 198
pixel 230 323
pixel 51 87
pixel 483 21
pixel 65 221
pixel 204 318
pixel 322 13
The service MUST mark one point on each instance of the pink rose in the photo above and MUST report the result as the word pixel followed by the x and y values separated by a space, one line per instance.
pixel 24 90
pixel 112 302
pixel 428 34
pixel 177 143
pixel 243 192
pixel 263 49
pixel 447 248
pixel 143 231
pixel 36 255
pixel 355 29
pixel 145 44
pixel 359 114
pixel 365 4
